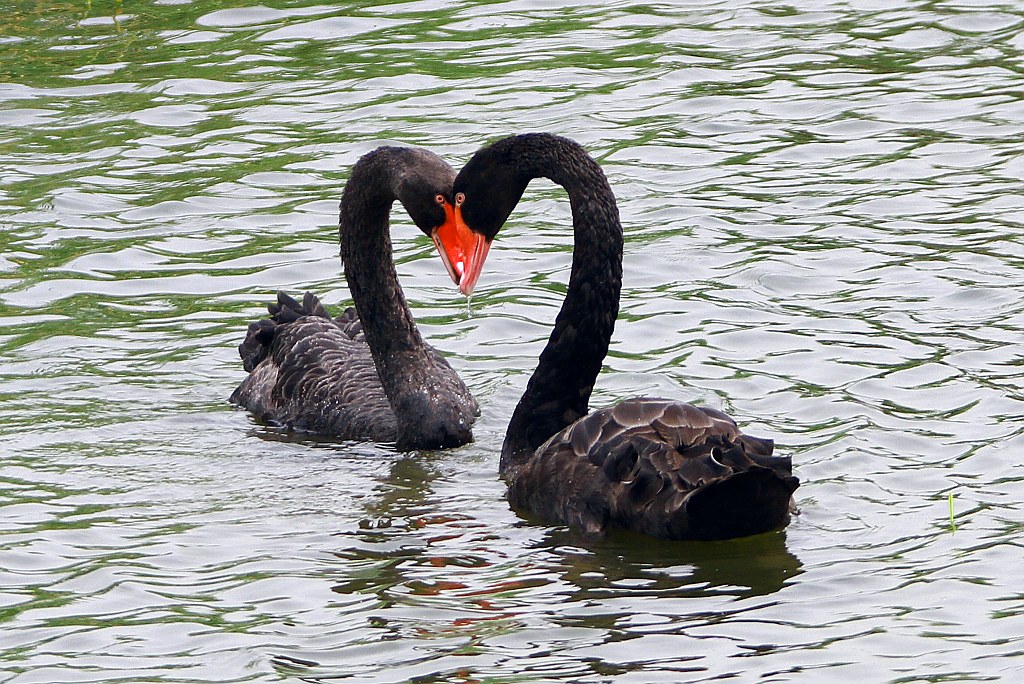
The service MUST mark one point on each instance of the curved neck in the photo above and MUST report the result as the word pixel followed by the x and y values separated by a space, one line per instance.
pixel 558 392
pixel 364 233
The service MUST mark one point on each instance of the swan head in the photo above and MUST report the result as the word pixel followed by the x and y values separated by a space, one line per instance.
pixel 423 184
pixel 484 194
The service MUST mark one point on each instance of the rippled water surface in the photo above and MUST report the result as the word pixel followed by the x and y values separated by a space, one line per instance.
pixel 823 213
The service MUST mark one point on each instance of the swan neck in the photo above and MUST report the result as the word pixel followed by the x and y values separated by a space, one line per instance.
pixel 399 352
pixel 559 390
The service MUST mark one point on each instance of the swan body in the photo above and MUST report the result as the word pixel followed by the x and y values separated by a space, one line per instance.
pixel 659 467
pixel 655 466
pixel 366 375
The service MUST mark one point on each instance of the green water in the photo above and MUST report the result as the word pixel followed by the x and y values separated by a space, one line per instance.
pixel 823 218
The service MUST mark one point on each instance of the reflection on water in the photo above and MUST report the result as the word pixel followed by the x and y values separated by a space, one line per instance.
pixel 635 566
pixel 822 212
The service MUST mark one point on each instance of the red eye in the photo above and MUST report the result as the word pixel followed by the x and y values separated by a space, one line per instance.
pixel 439 199
pixel 460 198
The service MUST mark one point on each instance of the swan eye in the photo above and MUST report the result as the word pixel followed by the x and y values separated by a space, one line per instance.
pixel 460 197
pixel 439 199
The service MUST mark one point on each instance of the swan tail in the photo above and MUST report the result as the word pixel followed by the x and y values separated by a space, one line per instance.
pixel 256 345
pixel 750 502
pixel 259 338
pixel 287 310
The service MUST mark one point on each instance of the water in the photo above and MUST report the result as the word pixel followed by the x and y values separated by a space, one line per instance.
pixel 823 216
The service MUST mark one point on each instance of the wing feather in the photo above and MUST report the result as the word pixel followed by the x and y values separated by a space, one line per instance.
pixel 313 373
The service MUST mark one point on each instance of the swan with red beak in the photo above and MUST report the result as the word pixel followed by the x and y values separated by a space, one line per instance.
pixel 656 466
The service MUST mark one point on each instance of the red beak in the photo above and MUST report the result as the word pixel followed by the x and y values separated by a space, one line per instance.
pixel 462 251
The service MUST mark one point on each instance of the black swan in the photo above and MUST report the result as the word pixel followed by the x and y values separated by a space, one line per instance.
pixel 366 375
pixel 655 466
